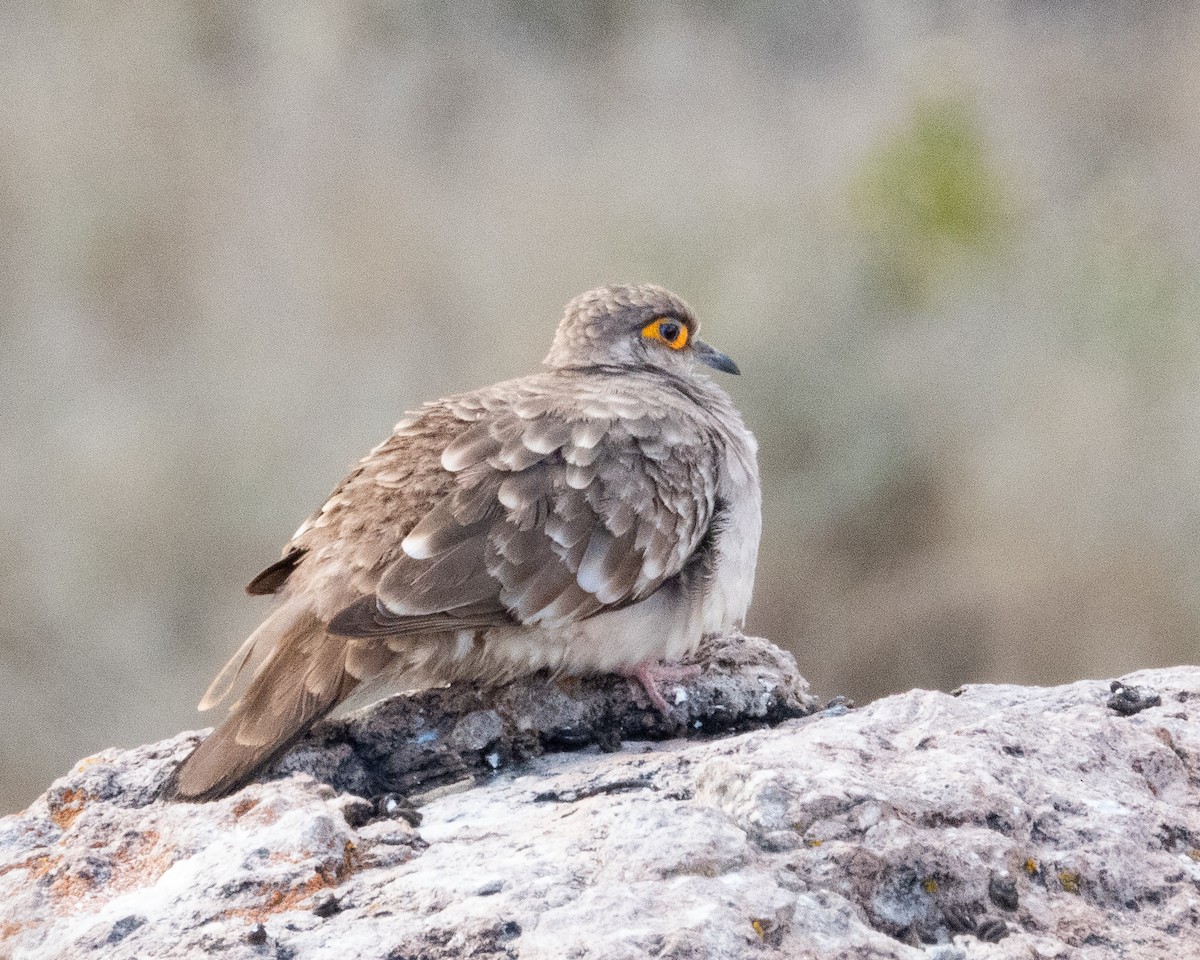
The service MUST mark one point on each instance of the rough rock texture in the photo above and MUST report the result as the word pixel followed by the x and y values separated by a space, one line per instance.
pixel 1000 822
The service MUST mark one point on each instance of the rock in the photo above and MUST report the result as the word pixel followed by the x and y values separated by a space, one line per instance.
pixel 420 747
pixel 998 822
pixel 1130 700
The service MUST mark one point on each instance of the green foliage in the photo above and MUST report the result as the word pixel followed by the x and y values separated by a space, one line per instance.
pixel 929 200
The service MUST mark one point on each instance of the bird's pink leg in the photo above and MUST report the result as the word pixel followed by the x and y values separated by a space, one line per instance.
pixel 650 673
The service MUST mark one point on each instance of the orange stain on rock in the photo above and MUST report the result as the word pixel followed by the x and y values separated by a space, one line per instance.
pixel 265 814
pixel 67 807
pixel 38 866
pixel 281 901
pixel 71 886
pixel 43 865
pixel 140 862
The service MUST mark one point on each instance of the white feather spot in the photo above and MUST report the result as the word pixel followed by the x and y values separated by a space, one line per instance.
pixel 396 609
pixel 589 434
pixel 453 460
pixel 542 444
pixel 416 545
pixel 509 496
pixel 589 577
pixel 581 456
pixel 652 569
pixel 591 571
pixel 464 641
pixel 578 478
pixel 557 532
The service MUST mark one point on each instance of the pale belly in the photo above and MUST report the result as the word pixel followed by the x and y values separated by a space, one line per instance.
pixel 728 597
pixel 662 627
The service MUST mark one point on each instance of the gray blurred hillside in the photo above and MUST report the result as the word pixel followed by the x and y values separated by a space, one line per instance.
pixel 954 247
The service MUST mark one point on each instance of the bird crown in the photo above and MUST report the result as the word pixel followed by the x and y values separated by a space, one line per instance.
pixel 616 326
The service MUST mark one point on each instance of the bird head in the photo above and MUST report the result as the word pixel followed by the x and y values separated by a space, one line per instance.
pixel 636 327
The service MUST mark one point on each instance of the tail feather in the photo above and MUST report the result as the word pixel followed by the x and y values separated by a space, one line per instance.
pixel 267 636
pixel 302 679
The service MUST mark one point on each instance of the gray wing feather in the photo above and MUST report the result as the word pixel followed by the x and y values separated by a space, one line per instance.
pixel 549 521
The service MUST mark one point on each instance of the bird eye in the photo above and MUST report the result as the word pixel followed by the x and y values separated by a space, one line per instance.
pixel 671 332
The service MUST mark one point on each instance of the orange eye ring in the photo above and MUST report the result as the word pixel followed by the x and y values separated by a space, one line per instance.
pixel 666 330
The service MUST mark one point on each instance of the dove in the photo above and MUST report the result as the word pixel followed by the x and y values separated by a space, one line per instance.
pixel 599 516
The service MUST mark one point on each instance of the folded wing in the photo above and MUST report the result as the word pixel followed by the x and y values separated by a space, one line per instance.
pixel 546 521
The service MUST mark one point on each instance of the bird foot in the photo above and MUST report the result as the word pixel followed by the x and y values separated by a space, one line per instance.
pixel 650 673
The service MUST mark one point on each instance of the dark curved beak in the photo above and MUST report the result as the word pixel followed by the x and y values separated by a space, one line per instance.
pixel 714 358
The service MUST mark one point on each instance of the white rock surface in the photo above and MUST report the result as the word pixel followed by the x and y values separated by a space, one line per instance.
pixel 924 825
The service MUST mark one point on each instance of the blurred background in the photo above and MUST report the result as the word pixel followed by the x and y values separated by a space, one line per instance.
pixel 953 245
